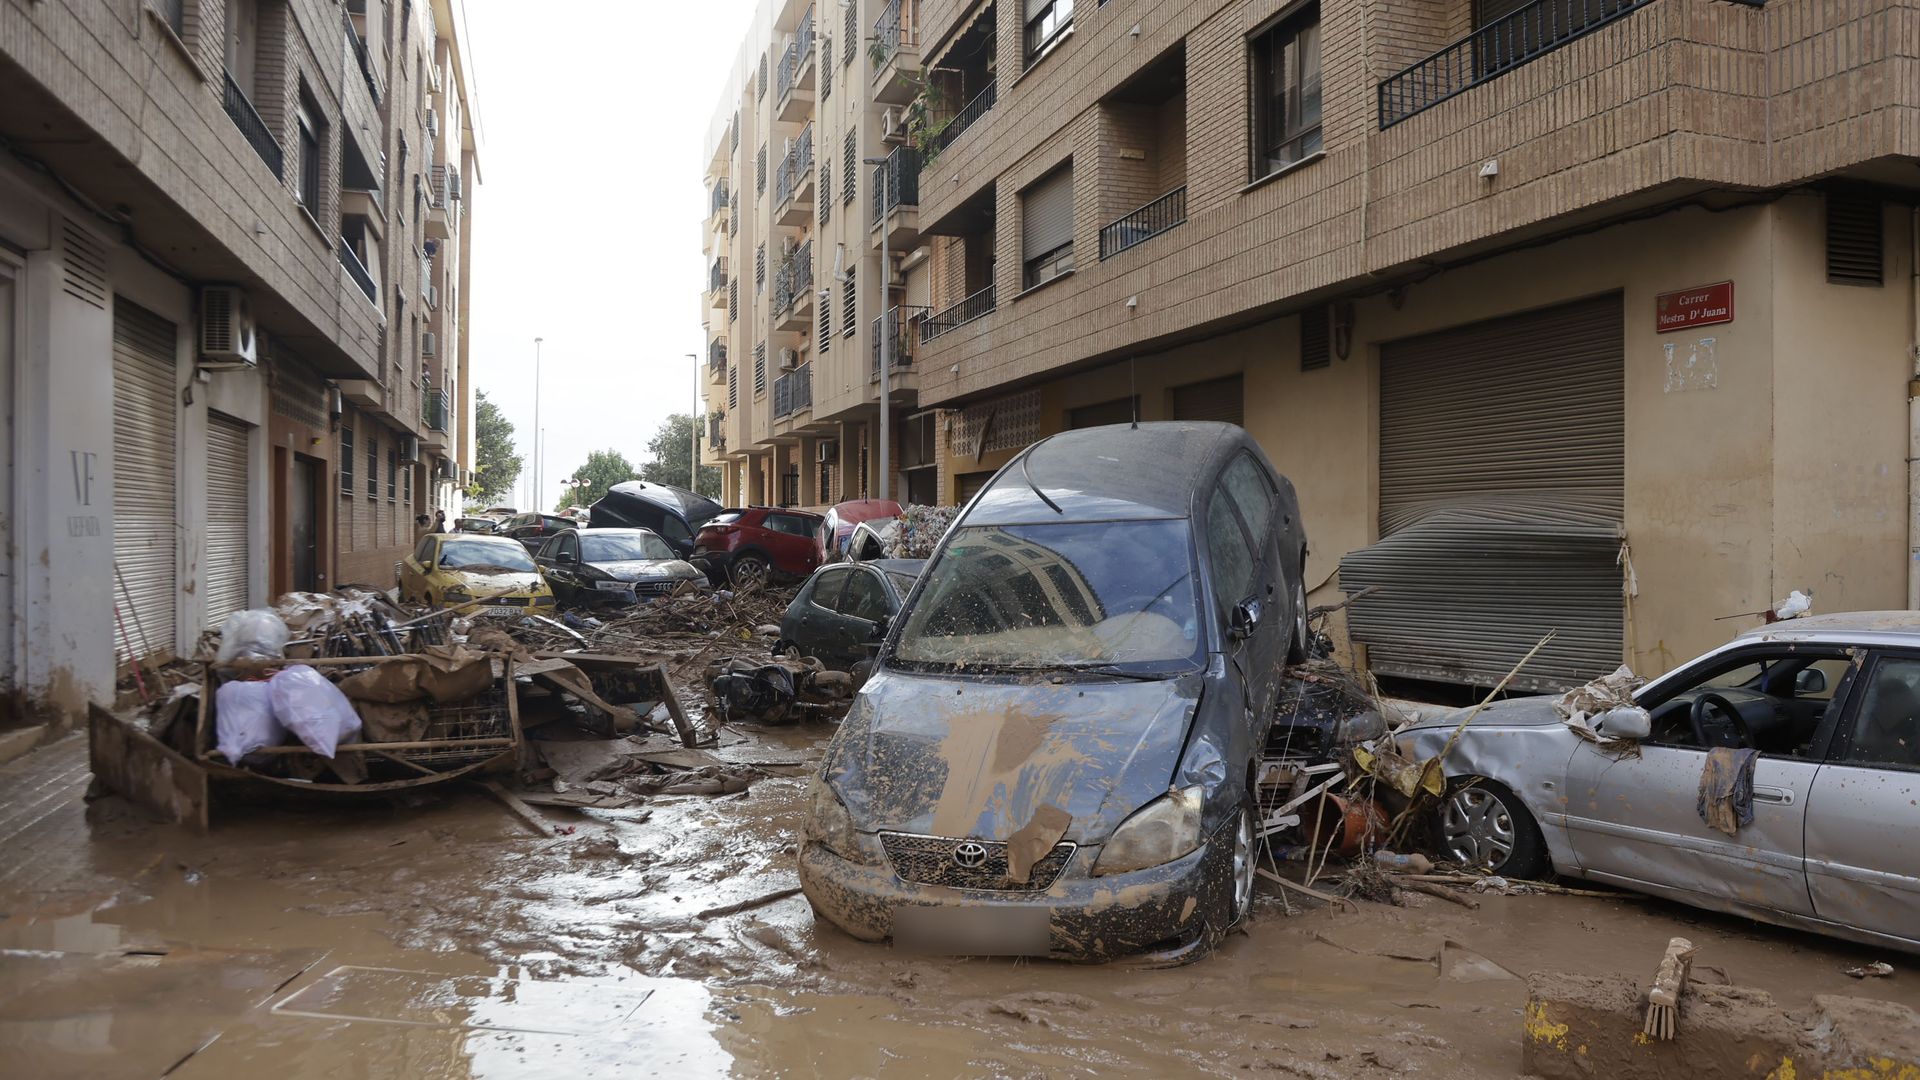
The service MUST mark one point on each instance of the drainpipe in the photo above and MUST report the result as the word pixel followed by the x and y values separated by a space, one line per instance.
pixel 1913 420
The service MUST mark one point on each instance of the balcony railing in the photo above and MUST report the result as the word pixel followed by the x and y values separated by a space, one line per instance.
pixel 794 168
pixel 361 54
pixel 1494 49
pixel 717 275
pixel 247 119
pixel 358 272
pixel 799 50
pixel 716 356
pixel 719 200
pixel 799 271
pixel 783 288
pixel 899 324
pixel 973 110
pixel 1149 221
pixel 896 183
pixel 960 314
pixel 443 185
pixel 433 410
pixel 793 391
pixel 890 31
pixel 716 432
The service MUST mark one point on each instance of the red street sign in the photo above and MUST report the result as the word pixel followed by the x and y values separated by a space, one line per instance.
pixel 1702 305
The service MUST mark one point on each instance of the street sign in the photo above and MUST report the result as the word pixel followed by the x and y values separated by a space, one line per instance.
pixel 1702 305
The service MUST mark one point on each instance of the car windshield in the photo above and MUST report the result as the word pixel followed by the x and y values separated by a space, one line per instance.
pixel 480 556
pixel 726 517
pixel 1054 596
pixel 624 547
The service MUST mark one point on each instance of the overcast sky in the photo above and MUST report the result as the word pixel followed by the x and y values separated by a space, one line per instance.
pixel 594 118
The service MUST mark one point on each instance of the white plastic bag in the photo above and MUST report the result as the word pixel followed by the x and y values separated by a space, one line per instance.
pixel 252 635
pixel 243 720
pixel 313 709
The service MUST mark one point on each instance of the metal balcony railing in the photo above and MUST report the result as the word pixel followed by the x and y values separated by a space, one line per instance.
pixel 1494 49
pixel 973 110
pixel 358 272
pixel 892 30
pixel 357 45
pixel 960 314
pixel 716 433
pixel 796 167
pixel 783 288
pixel 899 323
pixel 717 275
pixel 799 51
pixel 717 356
pixel 896 183
pixel 799 271
pixel 247 119
pixel 1149 221
pixel 438 188
pixel 433 410
pixel 793 391
pixel 719 200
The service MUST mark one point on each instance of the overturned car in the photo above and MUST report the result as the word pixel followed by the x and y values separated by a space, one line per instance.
pixel 1056 752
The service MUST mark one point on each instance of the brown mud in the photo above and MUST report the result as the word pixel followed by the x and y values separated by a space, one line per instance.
pixel 438 938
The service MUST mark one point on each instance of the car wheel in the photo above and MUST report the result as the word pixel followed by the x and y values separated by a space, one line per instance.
pixel 1484 826
pixel 1298 647
pixel 1246 858
pixel 748 570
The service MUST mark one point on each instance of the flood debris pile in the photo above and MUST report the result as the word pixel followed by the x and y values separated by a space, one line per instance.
pixel 780 691
pixel 685 628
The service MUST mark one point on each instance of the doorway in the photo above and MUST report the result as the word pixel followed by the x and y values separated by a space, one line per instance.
pixel 303 523
pixel 7 580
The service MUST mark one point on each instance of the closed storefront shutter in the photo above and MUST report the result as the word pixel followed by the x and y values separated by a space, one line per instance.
pixel 967 485
pixel 1215 399
pixel 227 548
pixel 1502 481
pixel 144 419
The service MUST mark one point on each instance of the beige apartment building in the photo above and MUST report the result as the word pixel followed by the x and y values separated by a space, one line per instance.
pixel 232 270
pixel 1597 317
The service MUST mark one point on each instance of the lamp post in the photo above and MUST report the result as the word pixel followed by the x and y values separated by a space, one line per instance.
pixel 693 462
pixel 536 423
pixel 886 344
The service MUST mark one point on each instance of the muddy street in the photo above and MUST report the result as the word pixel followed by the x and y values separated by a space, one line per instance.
pixel 442 938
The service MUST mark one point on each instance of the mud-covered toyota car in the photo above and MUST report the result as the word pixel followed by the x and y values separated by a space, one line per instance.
pixel 1055 754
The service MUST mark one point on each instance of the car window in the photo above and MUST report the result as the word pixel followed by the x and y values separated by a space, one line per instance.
pixel 827 586
pixel 557 522
pixel 1232 561
pixel 865 598
pixel 792 526
pixel 599 547
pixel 484 553
pixel 424 553
pixel 570 543
pixel 1886 727
pixel 1782 694
pixel 672 528
pixel 727 518
pixel 1247 483
pixel 550 549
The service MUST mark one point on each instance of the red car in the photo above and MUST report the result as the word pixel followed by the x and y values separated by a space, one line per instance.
pixel 758 543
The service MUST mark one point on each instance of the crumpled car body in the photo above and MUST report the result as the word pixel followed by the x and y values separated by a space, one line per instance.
pixel 675 513
pixel 842 610
pixel 447 569
pixel 592 567
pixel 1828 709
pixel 841 518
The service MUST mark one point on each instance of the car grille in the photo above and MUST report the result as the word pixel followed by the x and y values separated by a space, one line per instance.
pixel 654 588
pixel 928 860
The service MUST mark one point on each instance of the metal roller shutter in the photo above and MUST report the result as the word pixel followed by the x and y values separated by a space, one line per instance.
pixel 227 546
pixel 144 419
pixel 1502 480
pixel 1046 214
pixel 1215 399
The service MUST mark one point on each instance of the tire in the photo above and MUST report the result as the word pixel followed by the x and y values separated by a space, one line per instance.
pixel 1486 827
pixel 1298 647
pixel 1240 868
pixel 749 570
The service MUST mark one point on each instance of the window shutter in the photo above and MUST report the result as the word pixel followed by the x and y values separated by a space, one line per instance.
pixel 849 312
pixel 846 168
pixel 1046 214
pixel 1313 338
pixel 1854 240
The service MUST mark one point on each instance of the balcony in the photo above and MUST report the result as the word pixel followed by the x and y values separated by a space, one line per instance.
pixel 899 330
pixel 793 80
pixel 1145 223
pixel 247 119
pixel 443 185
pixel 717 358
pixel 435 420
pixel 358 272
pixel 793 291
pixel 717 207
pixel 793 182
pixel 1493 50
pixel 969 113
pixel 895 52
pixel 716 432
pixel 793 392
pixel 363 56
pixel 977 306
pixel 896 199
pixel 717 282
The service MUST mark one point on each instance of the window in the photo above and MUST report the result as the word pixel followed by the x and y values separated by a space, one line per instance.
pixel 826 68
pixel 824 592
pixel 760 171
pixel 406 486
pixel 1314 353
pixel 762 81
pixel 1886 727
pixel 1046 227
pixel 735 136
pixel 1855 240
pixel 1286 92
pixel 1232 559
pixel 852 32
pixel 346 456
pixel 423 554
pixel 1247 483
pixel 1782 693
pixel 733 386
pixel 733 300
pixel 848 174
pixel 849 305
pixel 733 215
pixel 373 466
pixel 760 368
pixel 1047 22
pixel 760 269
pixel 393 473
pixel 865 598
pixel 312 130
pixel 826 192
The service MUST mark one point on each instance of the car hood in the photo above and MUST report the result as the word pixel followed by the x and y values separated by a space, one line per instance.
pixel 647 569
pixel 1532 711
pixel 965 757
pixel 483 584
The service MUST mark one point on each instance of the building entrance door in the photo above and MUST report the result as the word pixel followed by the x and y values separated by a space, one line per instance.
pixel 303 525
pixel 8 582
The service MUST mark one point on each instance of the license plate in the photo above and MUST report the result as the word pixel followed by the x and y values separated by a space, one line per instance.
pixel 507 611
pixel 613 586
pixel 971 931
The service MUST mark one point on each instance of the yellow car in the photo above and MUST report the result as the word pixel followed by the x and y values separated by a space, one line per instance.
pixel 446 569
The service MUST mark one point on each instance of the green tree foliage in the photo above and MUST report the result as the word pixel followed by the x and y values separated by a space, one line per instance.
pixel 496 466
pixel 604 468
pixel 672 450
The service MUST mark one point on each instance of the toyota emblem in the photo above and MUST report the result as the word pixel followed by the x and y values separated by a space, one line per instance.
pixel 970 855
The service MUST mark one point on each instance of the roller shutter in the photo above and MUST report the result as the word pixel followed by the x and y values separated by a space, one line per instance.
pixel 1502 479
pixel 1047 214
pixel 227 546
pixel 1215 399
pixel 967 485
pixel 144 419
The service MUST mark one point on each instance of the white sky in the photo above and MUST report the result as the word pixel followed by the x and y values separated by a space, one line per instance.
pixel 594 119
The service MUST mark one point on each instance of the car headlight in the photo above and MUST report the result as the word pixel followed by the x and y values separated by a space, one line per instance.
pixel 829 824
pixel 1157 833
pixel 457 592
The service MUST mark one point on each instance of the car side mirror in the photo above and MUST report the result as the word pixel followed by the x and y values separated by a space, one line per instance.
pixel 565 556
pixel 1245 619
pixel 1810 681
pixel 880 627
pixel 1625 722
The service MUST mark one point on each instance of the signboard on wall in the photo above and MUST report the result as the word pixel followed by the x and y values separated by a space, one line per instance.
pixel 1702 305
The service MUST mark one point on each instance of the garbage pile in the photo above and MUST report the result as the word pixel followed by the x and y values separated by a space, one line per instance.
pixel 917 531
pixel 778 692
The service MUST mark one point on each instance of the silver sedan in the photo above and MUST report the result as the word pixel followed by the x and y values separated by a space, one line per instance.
pixel 1830 703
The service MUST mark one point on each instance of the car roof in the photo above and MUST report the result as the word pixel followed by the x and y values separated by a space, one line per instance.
pixel 679 500
pixel 905 567
pixel 1841 628
pixel 1150 470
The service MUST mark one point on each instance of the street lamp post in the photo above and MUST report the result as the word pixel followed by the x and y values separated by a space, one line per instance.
pixel 693 463
pixel 886 344
pixel 536 424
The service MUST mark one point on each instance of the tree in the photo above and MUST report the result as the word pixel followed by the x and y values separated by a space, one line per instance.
pixel 672 450
pixel 604 468
pixel 496 465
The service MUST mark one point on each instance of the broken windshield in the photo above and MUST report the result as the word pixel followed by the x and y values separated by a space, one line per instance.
pixel 1058 596
pixel 480 556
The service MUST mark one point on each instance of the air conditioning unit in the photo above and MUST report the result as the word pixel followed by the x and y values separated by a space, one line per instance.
pixel 336 402
pixel 433 296
pixel 453 186
pixel 429 344
pixel 443 469
pixel 410 449
pixel 892 128
pixel 827 452
pixel 227 335
pixel 433 124
pixel 789 359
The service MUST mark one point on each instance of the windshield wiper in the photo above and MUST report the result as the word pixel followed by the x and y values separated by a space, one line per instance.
pixel 1101 669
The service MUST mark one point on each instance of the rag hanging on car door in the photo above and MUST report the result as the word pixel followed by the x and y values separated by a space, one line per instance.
pixel 1726 788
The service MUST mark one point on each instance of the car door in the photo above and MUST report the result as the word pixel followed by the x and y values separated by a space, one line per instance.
pixel 1243 502
pixel 816 614
pixel 1634 819
pixel 563 575
pixel 790 543
pixel 862 607
pixel 1863 847
pixel 415 568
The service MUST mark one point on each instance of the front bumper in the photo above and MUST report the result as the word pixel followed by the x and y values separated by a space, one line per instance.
pixel 1170 910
